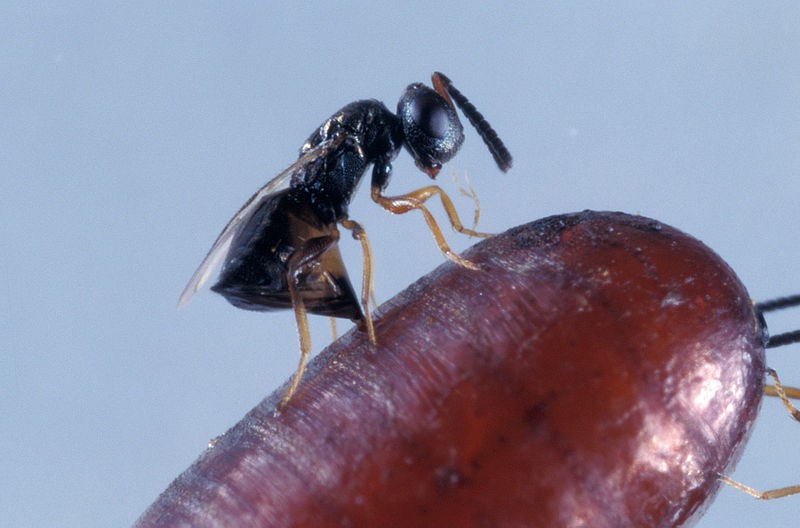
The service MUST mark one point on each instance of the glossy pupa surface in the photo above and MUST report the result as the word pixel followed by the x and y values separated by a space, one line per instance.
pixel 600 370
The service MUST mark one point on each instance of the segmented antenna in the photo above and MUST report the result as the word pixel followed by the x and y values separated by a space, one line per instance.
pixel 499 151
pixel 786 338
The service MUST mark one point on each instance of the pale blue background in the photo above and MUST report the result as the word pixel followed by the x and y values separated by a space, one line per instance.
pixel 128 136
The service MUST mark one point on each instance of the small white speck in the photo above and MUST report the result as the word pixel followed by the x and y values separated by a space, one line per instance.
pixel 672 299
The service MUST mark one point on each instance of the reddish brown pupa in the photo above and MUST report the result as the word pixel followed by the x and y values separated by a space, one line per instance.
pixel 599 370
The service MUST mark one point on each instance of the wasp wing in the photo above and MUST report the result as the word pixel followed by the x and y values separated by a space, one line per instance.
pixel 223 242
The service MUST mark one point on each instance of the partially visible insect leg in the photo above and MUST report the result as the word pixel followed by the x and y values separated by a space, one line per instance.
pixel 467 191
pixel 367 284
pixel 784 393
pixel 299 308
pixel 306 254
pixel 793 393
pixel 762 495
pixel 414 200
pixel 334 333
pixel 423 194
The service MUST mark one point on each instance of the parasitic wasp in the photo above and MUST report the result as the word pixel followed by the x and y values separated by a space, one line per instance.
pixel 280 250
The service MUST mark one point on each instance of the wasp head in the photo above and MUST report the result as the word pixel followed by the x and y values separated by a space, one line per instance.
pixel 433 132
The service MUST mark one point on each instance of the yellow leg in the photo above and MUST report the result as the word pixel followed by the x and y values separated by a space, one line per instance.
pixel 334 333
pixel 467 191
pixel 300 316
pixel 784 393
pixel 302 257
pixel 367 284
pixel 762 495
pixel 792 393
pixel 781 393
pixel 415 200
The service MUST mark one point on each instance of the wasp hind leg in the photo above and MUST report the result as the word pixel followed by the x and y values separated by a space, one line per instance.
pixel 306 255
pixel 415 200
pixel 367 284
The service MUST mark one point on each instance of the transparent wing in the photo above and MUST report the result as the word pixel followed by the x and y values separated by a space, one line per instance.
pixel 223 242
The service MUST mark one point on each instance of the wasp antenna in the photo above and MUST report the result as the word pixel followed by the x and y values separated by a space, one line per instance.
pixel 499 151
pixel 786 338
pixel 779 303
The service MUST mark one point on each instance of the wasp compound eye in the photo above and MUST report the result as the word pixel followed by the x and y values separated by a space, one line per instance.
pixel 430 116
pixel 431 126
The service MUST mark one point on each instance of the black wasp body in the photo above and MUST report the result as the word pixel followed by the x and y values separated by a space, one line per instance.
pixel 281 249
pixel 372 135
pixel 255 272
